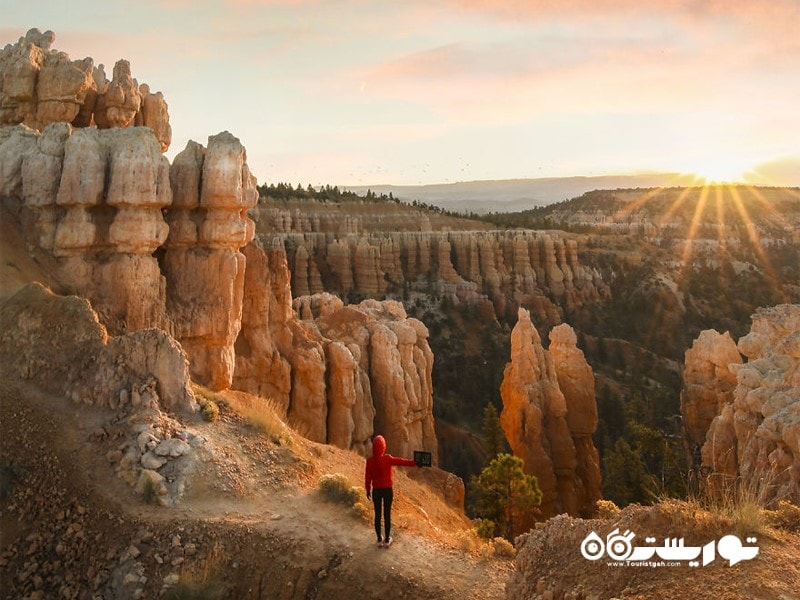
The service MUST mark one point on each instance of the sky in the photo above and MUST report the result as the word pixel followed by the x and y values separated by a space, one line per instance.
pixel 368 92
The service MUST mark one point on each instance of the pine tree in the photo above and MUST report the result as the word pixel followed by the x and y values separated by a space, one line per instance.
pixel 506 495
pixel 493 435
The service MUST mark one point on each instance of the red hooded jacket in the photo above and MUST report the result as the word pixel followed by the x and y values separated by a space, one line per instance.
pixel 378 473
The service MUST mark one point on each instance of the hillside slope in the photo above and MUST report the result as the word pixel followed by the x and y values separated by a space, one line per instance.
pixel 252 524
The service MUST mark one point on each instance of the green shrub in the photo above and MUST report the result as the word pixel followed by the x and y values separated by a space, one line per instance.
pixel 486 529
pixel 336 488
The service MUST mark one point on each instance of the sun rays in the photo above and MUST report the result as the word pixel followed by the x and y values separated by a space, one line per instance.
pixel 717 225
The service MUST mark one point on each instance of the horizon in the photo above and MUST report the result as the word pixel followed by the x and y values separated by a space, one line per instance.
pixel 409 93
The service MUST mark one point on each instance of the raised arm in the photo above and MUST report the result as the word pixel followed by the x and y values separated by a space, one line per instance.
pixel 402 462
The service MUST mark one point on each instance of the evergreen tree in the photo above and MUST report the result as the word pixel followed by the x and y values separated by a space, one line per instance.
pixel 506 495
pixel 493 435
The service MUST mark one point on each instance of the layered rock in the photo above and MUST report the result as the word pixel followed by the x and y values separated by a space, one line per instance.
pixel 92 199
pixel 208 226
pixel 340 373
pixel 40 86
pixel 58 343
pixel 537 423
pixel 540 271
pixel 754 440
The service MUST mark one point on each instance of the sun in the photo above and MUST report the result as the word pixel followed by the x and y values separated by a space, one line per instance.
pixel 721 170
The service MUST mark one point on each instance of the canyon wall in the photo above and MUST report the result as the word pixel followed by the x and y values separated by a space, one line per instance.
pixel 550 428
pixel 160 247
pixel 746 415
pixel 167 247
pixel 508 269
pixel 339 373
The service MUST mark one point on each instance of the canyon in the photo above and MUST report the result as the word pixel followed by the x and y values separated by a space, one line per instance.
pixel 159 246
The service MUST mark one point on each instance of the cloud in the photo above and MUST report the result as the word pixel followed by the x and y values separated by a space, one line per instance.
pixel 781 171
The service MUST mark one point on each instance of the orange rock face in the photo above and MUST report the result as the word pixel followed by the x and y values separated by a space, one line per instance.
pixel 536 419
pixel 576 380
pixel 709 383
pixel 339 373
pixel 532 269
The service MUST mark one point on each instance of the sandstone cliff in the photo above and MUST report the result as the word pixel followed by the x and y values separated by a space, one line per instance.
pixel 537 270
pixel 40 86
pixel 160 247
pixel 157 246
pixel 708 385
pixel 552 434
pixel 339 373
pixel 754 438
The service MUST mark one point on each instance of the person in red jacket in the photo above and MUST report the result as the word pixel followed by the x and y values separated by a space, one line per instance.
pixel 378 481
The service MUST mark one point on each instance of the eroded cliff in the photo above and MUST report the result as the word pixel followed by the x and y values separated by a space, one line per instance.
pixel 166 247
pixel 746 415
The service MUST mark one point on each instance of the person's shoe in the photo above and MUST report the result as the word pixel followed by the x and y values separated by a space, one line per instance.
pixel 388 542
pixel 380 544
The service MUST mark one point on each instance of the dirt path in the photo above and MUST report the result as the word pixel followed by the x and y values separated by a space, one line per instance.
pixel 274 538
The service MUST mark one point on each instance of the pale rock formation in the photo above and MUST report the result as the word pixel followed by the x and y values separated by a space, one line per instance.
pixel 113 186
pixel 41 175
pixel 709 383
pixel 15 144
pixel 93 200
pixel 155 115
pixel 754 441
pixel 209 224
pixel 40 86
pixel 576 381
pixel 118 105
pixel 535 418
pixel 340 373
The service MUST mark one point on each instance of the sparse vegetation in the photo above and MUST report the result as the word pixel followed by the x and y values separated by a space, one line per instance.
pixel 149 491
pixel 506 496
pixel 335 487
pixel 203 582
pixel 262 415
pixel 208 401
pixel 744 505
pixel 785 516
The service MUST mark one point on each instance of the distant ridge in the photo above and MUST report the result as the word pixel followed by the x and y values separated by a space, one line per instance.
pixel 510 195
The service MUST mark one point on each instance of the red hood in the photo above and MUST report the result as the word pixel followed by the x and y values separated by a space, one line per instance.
pixel 378 446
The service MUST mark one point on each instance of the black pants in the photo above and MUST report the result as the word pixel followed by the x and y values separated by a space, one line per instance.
pixel 382 497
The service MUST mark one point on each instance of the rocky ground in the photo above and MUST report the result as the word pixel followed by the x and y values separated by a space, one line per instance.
pixel 550 564
pixel 251 524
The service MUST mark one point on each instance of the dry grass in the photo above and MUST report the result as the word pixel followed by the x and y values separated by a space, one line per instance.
pixel 335 487
pixel 742 502
pixel 785 516
pixel 262 415
pixel 203 581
